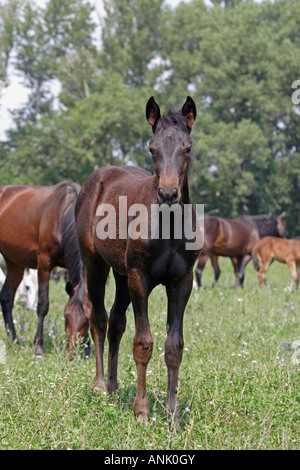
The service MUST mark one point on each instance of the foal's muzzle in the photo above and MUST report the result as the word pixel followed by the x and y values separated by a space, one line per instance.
pixel 168 195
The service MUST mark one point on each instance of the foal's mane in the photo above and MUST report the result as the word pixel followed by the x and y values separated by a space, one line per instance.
pixel 173 118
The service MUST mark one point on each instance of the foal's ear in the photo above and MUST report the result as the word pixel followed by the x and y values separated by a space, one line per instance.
pixel 281 216
pixel 189 110
pixel 152 113
pixel 69 289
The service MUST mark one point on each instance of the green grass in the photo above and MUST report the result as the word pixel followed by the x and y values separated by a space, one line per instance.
pixel 238 388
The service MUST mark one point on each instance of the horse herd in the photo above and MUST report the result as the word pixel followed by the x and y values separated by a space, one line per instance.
pixel 45 227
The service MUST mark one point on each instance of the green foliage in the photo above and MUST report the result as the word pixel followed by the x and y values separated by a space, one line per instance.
pixel 238 387
pixel 238 59
pixel 131 37
pixel 8 19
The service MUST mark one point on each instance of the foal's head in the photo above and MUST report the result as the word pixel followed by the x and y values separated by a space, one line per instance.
pixel 171 148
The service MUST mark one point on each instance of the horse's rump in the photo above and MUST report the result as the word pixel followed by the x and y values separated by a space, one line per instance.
pixel 29 220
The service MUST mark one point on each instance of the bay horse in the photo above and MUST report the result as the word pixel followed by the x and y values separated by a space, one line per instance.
pixel 235 238
pixel 140 262
pixel 286 251
pixel 37 231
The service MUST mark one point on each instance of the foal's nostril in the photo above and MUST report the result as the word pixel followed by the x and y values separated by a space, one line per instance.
pixel 168 194
pixel 174 194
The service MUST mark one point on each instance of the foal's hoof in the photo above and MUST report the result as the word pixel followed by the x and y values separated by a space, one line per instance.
pixel 39 351
pixel 99 389
pixel 141 412
pixel 142 417
pixel 111 386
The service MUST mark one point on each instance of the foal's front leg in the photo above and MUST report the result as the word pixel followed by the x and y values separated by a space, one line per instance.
pixel 139 287
pixel 178 294
pixel 295 274
pixel 117 326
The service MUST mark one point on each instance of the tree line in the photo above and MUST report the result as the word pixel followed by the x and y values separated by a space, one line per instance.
pixel 237 59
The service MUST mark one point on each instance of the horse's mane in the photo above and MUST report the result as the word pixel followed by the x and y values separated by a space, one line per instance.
pixel 266 224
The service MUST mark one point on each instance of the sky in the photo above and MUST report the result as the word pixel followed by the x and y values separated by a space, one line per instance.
pixel 15 95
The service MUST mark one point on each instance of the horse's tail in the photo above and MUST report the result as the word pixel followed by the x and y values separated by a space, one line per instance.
pixel 70 246
pixel 254 258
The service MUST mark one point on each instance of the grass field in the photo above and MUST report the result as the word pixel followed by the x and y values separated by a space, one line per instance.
pixel 239 378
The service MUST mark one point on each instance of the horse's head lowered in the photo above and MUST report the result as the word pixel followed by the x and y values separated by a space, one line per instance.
pixel 171 148
pixel 77 316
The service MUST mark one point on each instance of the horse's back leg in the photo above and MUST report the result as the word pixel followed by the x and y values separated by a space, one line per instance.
pixel 216 267
pixel 42 305
pixel 13 279
pixel 199 269
pixel 96 280
pixel 240 273
pixel 117 326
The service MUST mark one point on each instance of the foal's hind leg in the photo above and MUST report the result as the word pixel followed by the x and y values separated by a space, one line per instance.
pixel 13 278
pixel 117 326
pixel 96 279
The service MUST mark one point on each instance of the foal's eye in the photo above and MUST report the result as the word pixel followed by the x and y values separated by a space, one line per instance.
pixel 188 149
pixel 153 152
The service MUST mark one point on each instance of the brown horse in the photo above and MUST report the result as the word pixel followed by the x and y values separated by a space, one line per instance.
pixel 139 260
pixel 37 230
pixel 235 238
pixel 286 251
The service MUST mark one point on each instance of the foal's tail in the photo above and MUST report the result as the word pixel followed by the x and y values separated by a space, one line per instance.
pixel 255 258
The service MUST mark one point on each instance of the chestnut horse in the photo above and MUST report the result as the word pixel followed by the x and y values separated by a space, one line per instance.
pixel 37 231
pixel 141 262
pixel 235 238
pixel 286 251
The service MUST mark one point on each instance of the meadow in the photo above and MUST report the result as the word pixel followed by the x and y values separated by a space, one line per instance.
pixel 239 377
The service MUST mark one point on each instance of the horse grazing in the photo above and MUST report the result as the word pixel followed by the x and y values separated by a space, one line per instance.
pixel 235 238
pixel 286 251
pixel 37 231
pixel 139 260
